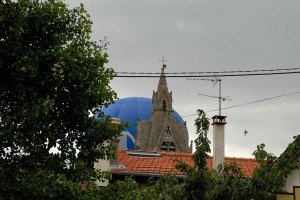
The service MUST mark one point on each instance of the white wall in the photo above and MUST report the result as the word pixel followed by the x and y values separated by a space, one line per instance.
pixel 102 164
pixel 293 180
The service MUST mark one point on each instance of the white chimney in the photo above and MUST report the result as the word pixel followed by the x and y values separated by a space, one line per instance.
pixel 218 140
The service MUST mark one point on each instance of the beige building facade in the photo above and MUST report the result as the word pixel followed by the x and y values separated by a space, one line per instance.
pixel 293 179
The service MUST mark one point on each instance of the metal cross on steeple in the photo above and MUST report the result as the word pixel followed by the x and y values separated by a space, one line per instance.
pixel 163 62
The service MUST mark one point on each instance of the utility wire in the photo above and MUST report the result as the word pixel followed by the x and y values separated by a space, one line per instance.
pixel 252 102
pixel 202 76
pixel 234 106
pixel 221 72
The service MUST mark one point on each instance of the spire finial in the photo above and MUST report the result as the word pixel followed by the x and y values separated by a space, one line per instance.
pixel 163 63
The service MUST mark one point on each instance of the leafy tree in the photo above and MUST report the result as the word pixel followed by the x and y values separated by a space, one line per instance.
pixel 167 187
pixel 270 177
pixel 124 190
pixel 199 178
pixel 52 79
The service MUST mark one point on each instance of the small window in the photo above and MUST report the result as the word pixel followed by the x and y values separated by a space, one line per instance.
pixel 168 147
pixel 164 106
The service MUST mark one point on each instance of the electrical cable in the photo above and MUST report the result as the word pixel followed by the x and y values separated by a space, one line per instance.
pixel 252 102
pixel 234 106
pixel 206 76
pixel 221 72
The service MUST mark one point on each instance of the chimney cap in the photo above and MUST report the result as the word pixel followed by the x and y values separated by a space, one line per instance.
pixel 115 120
pixel 218 119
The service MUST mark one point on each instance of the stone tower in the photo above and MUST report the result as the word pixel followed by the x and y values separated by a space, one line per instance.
pixel 161 132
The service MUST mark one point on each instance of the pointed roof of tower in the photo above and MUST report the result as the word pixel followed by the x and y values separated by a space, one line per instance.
pixel 162 84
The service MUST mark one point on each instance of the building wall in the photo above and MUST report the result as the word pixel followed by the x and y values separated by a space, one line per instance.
pixel 104 166
pixel 293 180
pixel 284 197
pixel 150 133
pixel 290 196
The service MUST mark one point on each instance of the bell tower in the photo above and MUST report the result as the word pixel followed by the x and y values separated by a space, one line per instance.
pixel 162 132
pixel 162 98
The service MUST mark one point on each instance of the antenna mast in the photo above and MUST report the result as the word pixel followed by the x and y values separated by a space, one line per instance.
pixel 220 100
pixel 220 92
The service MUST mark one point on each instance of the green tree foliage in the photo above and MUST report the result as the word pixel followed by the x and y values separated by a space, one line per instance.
pixel 52 78
pixel 198 179
pixel 168 188
pixel 271 176
pixel 124 190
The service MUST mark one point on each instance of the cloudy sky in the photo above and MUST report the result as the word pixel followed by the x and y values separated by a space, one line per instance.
pixel 205 36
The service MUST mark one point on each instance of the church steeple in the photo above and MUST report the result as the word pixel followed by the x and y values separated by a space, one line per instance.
pixel 162 84
pixel 162 132
pixel 162 98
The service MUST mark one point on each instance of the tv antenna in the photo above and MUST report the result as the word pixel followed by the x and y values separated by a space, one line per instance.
pixel 215 81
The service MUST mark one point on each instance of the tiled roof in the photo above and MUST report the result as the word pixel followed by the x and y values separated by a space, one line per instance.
pixel 165 163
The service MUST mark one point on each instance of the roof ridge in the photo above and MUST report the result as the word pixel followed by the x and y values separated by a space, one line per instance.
pixel 237 158
pixel 189 154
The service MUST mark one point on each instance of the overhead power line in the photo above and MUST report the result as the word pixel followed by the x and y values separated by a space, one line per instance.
pixel 234 106
pixel 257 101
pixel 134 75
pixel 252 102
pixel 216 72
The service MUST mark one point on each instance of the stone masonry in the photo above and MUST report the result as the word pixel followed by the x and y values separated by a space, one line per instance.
pixel 161 132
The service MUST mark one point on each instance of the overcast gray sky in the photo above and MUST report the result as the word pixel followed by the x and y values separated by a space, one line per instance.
pixel 209 35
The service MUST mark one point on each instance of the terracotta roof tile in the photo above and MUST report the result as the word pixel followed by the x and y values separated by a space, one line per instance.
pixel 165 163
